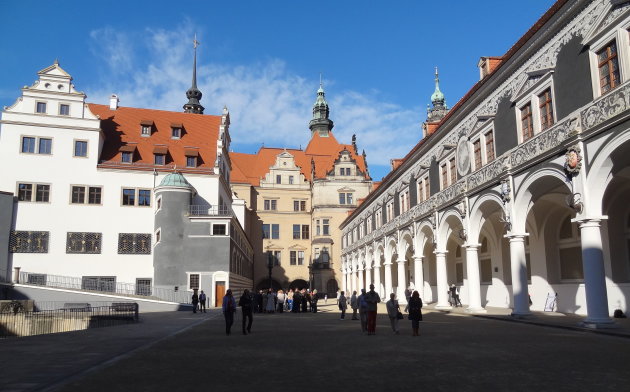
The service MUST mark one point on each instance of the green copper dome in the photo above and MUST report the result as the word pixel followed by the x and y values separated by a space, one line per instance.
pixel 176 179
pixel 437 95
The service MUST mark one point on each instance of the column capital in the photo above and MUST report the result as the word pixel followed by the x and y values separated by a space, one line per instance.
pixel 590 221
pixel 400 261
pixel 516 237
pixel 418 258
pixel 377 267
pixel 471 246
pixel 440 252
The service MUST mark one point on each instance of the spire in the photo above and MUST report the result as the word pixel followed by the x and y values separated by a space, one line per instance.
pixel 439 109
pixel 320 122
pixel 193 94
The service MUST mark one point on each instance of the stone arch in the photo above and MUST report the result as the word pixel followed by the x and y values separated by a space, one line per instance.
pixel 450 221
pixel 601 173
pixel 481 210
pixel 534 185
pixel 298 284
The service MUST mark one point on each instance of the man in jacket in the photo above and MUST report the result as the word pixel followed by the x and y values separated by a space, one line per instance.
pixel 372 298
pixel 354 305
pixel 246 307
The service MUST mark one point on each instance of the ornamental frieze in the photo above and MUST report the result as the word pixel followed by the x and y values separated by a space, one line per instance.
pixel 450 193
pixel 606 107
pixel 487 173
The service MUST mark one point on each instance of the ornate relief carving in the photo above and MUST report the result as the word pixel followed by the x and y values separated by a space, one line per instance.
pixel 573 161
pixel 606 107
pixel 463 156
pixel 487 173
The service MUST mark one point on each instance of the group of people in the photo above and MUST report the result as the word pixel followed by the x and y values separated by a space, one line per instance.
pixel 199 301
pixel 294 300
pixel 366 305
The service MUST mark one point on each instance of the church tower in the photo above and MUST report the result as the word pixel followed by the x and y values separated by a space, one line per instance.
pixel 439 109
pixel 320 122
pixel 193 94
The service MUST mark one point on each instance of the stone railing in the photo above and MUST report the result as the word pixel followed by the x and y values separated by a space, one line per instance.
pixel 596 113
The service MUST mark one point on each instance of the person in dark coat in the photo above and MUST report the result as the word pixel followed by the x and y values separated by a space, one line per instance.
pixel 228 307
pixel 297 302
pixel 259 301
pixel 314 300
pixel 415 312
pixel 304 301
pixel 195 300
pixel 246 304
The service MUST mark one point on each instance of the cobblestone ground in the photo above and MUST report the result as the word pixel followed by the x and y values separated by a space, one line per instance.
pixel 319 352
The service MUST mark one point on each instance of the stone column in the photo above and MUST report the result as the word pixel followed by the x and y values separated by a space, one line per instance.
pixel 597 312
pixel 474 282
pixel 377 278
pixel 402 281
pixel 518 265
pixel 418 273
pixel 361 282
pixel 368 275
pixel 388 279
pixel 442 282
pixel 354 279
pixel 344 280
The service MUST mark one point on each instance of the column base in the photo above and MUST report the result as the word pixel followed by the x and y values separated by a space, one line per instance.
pixel 522 315
pixel 475 310
pixel 438 306
pixel 604 323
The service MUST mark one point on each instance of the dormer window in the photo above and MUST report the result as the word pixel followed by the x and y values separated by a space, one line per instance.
pixel 176 131
pixel 191 156
pixel 41 107
pixel 126 153
pixel 159 155
pixel 145 127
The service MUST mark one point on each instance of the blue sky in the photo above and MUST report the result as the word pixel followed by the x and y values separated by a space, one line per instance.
pixel 263 58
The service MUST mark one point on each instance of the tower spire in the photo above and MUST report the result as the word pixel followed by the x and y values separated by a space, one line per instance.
pixel 439 109
pixel 193 94
pixel 320 122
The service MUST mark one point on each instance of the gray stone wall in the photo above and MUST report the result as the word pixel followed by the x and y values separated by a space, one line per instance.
pixel 7 206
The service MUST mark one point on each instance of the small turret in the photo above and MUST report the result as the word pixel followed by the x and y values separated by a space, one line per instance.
pixel 439 109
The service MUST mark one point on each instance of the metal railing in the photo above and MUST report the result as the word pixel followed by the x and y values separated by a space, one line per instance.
pixel 103 286
pixel 16 321
pixel 201 210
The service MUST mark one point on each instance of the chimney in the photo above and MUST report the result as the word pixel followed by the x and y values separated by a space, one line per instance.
pixel 487 65
pixel 113 102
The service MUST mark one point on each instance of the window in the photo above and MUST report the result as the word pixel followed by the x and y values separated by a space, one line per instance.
pixel 290 179
pixel 297 232
pixel 345 198
pixel 305 232
pixel 325 227
pixel 136 197
pixel 424 189
pixel 608 66
pixel 143 286
pixel 545 109
pixel 134 243
pixel 219 229
pixel 318 229
pixel 278 179
pixel 89 243
pixel 126 157
pixel 41 107
pixel 145 130
pixel 79 193
pixel 448 172
pixel 99 283
pixel 191 161
pixel 378 215
pixel 80 148
pixel 159 159
pixel 41 194
pixel 270 204
pixel 276 254
pixel 489 136
pixel 64 110
pixel 297 257
pixel 176 133
pixel 28 144
pixel 193 282
pixel 368 225
pixel 389 209
pixel 44 145
pixel 299 205
pixel 527 126
pixel 266 232
pixel 404 201
pixel 275 231
pixel 477 152
pixel 28 241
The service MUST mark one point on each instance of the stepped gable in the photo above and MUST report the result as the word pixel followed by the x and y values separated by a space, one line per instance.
pixel 122 127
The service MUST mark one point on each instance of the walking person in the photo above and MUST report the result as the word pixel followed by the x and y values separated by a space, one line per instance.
pixel 454 296
pixel 246 304
pixel 195 300
pixel 372 298
pixel 281 298
pixel 228 307
pixel 202 302
pixel 393 310
pixel 343 305
pixel 314 300
pixel 362 311
pixel 290 301
pixel 415 312
pixel 271 301
pixel 354 304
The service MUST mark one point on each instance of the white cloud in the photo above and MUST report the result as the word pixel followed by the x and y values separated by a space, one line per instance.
pixel 268 103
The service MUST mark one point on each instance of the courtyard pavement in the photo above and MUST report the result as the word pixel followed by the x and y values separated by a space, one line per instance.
pixel 456 351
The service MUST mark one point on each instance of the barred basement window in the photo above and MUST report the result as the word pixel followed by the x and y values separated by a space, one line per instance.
pixel 89 243
pixel 194 282
pixel 143 286
pixel 134 243
pixel 38 279
pixel 99 283
pixel 219 229
pixel 29 241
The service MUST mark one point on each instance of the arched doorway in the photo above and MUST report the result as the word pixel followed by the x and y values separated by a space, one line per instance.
pixel 298 284
pixel 331 288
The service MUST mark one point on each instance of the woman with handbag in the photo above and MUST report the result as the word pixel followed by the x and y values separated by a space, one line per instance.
pixel 393 310
pixel 415 312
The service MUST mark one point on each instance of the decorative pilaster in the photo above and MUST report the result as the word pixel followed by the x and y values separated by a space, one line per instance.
pixel 402 282
pixel 518 265
pixel 442 282
pixel 360 283
pixel 474 281
pixel 354 279
pixel 377 279
pixel 388 279
pixel 418 273
pixel 368 275
pixel 598 315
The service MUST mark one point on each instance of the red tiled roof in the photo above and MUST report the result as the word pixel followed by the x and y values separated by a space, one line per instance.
pixel 323 151
pixel 122 128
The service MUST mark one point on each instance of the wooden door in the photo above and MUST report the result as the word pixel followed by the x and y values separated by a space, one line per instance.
pixel 219 292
